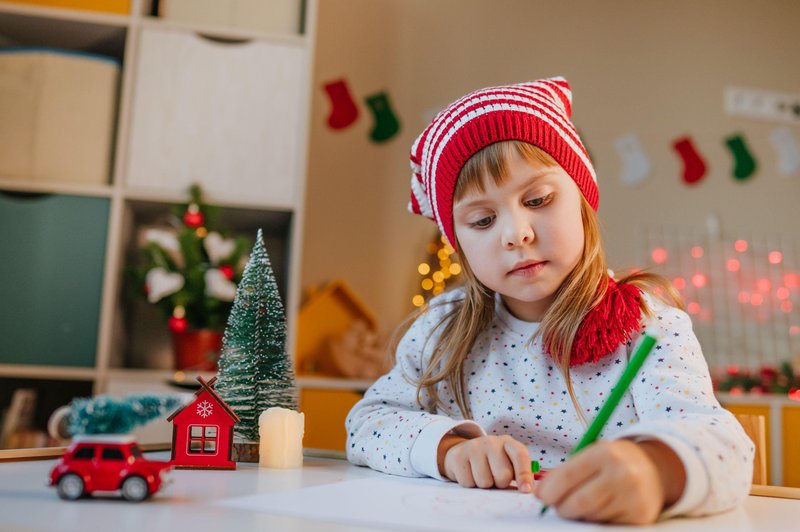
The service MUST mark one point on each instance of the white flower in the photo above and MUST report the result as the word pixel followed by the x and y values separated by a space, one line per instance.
pixel 161 283
pixel 219 286
pixel 168 241
pixel 218 248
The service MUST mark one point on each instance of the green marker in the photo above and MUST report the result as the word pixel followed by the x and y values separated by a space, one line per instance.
pixel 633 367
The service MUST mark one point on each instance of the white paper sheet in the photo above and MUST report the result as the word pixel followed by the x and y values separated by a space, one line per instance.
pixel 412 504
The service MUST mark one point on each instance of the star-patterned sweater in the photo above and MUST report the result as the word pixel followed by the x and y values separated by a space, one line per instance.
pixel 514 388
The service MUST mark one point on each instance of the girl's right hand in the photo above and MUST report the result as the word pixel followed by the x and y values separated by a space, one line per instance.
pixel 486 462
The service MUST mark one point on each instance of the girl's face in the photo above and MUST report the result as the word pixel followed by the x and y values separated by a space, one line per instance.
pixel 523 237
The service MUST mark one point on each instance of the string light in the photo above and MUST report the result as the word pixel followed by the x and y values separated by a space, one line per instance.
pixel 659 255
pixel 439 269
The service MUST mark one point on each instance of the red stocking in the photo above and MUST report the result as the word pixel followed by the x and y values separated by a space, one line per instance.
pixel 343 109
pixel 694 167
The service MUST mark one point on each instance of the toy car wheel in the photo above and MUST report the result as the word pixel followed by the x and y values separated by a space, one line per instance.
pixel 135 489
pixel 70 487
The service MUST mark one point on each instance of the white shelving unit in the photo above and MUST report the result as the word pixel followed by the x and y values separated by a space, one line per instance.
pixel 120 37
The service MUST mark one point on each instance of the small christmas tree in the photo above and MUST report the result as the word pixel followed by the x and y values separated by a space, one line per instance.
pixel 255 372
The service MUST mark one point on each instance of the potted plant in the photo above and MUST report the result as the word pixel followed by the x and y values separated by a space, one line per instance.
pixel 190 272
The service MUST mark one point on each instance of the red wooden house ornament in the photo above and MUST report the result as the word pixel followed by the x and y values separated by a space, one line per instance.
pixel 202 431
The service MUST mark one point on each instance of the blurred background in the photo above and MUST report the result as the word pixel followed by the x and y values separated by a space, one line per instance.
pixel 297 117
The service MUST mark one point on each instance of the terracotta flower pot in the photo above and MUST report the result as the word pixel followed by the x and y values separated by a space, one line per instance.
pixel 197 350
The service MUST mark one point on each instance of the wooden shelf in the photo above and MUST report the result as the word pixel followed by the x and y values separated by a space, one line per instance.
pixel 47 372
pixel 66 189
pixel 123 38
pixel 226 32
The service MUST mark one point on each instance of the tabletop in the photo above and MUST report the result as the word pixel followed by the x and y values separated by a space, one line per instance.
pixel 200 500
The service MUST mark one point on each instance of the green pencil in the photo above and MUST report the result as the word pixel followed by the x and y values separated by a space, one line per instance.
pixel 633 367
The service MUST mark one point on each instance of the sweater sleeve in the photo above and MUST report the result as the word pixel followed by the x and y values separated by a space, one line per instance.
pixel 675 404
pixel 391 431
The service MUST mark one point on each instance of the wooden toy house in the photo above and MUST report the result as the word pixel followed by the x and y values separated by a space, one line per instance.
pixel 202 431
pixel 327 314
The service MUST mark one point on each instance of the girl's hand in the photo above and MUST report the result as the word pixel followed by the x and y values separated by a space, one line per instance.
pixel 486 462
pixel 616 481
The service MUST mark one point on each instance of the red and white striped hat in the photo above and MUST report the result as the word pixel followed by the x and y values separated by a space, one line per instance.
pixel 537 112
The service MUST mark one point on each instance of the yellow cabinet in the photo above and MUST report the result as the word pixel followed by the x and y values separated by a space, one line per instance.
pixel 325 412
pixel 782 417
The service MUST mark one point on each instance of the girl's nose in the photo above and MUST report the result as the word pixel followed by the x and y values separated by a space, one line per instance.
pixel 517 235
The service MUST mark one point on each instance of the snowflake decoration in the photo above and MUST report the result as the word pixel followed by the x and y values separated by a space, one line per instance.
pixel 205 409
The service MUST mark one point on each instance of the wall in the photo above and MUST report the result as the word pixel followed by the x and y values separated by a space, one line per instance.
pixel 658 69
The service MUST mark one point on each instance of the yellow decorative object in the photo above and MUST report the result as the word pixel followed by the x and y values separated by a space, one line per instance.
pixel 327 314
pixel 122 7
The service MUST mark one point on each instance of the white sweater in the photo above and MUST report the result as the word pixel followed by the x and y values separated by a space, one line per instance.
pixel 514 388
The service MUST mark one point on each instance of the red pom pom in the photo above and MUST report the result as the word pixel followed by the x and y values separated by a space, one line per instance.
pixel 613 321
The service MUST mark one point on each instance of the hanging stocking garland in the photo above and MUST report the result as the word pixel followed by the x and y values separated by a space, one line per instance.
pixel 343 108
pixel 635 164
pixel 744 165
pixel 694 167
pixel 386 124
pixel 788 150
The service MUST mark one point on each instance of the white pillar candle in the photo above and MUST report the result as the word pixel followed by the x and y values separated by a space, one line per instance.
pixel 281 434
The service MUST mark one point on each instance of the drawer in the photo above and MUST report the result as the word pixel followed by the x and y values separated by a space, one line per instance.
pixel 51 276
pixel 280 16
pixel 225 115
pixel 58 110
pixel 121 7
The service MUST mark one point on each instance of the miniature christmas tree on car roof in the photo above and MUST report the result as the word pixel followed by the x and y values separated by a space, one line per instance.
pixel 255 372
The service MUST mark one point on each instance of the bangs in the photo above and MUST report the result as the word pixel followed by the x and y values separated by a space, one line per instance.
pixel 491 162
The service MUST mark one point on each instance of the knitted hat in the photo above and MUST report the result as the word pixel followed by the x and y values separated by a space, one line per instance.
pixel 537 112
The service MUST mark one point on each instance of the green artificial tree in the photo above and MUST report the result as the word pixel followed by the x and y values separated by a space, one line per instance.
pixel 255 372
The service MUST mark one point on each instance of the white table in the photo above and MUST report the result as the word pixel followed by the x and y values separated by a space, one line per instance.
pixel 189 503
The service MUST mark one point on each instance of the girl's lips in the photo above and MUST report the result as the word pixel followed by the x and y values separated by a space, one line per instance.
pixel 527 268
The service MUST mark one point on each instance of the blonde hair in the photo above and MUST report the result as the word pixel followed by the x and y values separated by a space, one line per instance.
pixel 584 287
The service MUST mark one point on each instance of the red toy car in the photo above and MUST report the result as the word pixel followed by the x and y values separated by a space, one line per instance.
pixel 107 463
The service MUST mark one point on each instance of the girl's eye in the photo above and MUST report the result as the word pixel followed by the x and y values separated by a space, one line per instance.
pixel 483 222
pixel 539 202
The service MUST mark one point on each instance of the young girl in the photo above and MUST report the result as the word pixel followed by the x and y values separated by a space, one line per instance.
pixel 514 364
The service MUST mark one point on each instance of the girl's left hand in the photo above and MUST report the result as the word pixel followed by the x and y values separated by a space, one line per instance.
pixel 618 481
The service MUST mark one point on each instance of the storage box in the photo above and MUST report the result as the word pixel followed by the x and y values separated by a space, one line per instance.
pixel 58 110
pixel 121 7
pixel 51 276
pixel 224 115
pixel 279 16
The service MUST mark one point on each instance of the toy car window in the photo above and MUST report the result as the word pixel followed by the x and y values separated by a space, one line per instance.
pixel 84 453
pixel 211 432
pixel 112 454
pixel 136 451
